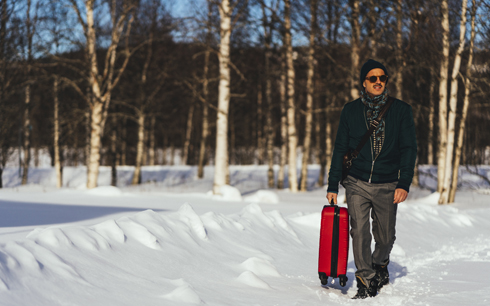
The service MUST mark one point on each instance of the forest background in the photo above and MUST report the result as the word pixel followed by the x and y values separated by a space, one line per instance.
pixel 220 82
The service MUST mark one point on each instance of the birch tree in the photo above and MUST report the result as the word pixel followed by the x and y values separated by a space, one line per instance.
pixel 188 133
pixel 430 132
pixel 453 105
pixel 355 48
pixel 443 79
pixel 309 95
pixel 102 81
pixel 56 140
pixel 30 25
pixel 466 103
pixel 226 9
pixel 205 114
pixel 399 49
pixel 291 106
pixel 267 27
pixel 284 122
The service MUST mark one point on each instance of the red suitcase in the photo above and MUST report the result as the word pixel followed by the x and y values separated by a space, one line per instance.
pixel 334 244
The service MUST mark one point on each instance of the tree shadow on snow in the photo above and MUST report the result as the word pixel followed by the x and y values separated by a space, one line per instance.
pixel 14 213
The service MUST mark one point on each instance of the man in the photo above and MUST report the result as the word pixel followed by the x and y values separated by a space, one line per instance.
pixel 380 176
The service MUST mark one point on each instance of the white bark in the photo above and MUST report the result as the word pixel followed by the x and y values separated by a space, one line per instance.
pixel 309 97
pixel 453 105
pixel 151 149
pixel 373 17
pixel 97 80
pixel 268 98
pixel 221 154
pixel 443 78
pixel 188 133
pixel 27 101
pixel 27 135
pixel 139 150
pixel 355 49
pixel 328 140
pixel 291 107
pixel 56 141
pixel 430 132
pixel 261 141
pixel 205 122
pixel 399 50
pixel 284 124
pixel 466 103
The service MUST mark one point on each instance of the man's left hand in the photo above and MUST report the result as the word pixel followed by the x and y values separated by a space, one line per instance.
pixel 400 195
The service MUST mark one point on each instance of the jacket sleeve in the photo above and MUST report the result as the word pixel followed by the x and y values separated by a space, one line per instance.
pixel 408 150
pixel 340 148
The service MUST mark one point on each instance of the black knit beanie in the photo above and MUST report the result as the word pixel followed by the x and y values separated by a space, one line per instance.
pixel 368 66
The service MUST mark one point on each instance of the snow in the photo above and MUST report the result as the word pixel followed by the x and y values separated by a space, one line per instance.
pixel 170 242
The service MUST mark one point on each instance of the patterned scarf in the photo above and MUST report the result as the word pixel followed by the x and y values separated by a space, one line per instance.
pixel 374 106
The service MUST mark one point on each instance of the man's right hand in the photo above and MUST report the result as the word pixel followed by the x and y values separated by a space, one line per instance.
pixel 330 196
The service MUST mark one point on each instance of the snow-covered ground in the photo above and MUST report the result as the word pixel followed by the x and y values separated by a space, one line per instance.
pixel 170 242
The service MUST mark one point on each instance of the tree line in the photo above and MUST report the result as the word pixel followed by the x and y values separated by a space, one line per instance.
pixel 127 82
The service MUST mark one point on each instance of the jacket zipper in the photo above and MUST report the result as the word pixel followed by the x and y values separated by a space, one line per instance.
pixel 372 154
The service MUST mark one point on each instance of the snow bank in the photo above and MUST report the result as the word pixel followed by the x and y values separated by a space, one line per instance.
pixel 227 193
pixel 263 196
pixel 106 191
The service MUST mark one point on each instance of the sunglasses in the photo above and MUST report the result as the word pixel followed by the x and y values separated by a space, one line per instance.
pixel 374 78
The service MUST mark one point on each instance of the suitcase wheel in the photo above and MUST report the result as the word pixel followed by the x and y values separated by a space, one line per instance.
pixel 323 278
pixel 343 280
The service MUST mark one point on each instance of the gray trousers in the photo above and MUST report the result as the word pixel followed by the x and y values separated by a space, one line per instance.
pixel 364 199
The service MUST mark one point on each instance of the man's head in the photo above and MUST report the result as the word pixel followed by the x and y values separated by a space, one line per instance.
pixel 374 78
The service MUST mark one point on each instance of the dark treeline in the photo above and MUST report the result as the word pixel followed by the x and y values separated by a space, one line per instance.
pixel 157 77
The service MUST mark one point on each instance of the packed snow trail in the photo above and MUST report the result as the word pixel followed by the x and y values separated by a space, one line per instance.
pixel 169 242
pixel 250 258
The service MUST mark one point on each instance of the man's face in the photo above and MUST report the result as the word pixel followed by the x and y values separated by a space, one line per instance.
pixel 376 88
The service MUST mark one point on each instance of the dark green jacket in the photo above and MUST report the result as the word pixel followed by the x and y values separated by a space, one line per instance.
pixel 395 162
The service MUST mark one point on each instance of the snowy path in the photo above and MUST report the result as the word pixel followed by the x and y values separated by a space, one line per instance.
pixel 135 247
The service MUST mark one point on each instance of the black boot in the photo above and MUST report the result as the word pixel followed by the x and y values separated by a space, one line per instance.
pixel 364 291
pixel 382 274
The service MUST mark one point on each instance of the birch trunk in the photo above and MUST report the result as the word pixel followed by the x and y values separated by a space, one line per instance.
pixel 144 158
pixel 188 133
pixel 453 105
pixel 139 150
pixel 27 101
pixel 221 154
pixel 443 79
pixel 260 128
pixel 114 152
pixel 373 17
pixel 87 137
pixel 95 144
pixel 355 49
pixel 101 84
pixel 124 144
pixel 328 138
pixel 399 50
pixel 284 124
pixel 466 103
pixel 268 99
pixel 27 135
pixel 320 146
pixel 56 141
pixel 291 107
pixel 205 118
pixel 151 149
pixel 205 93
pixel 309 98
pixel 430 132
